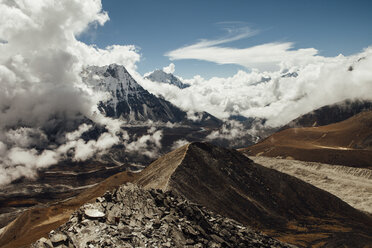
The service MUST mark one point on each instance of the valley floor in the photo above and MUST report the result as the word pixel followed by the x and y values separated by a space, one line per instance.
pixel 352 185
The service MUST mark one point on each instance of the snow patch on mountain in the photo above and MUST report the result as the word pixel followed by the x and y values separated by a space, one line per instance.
pixel 112 79
pixel 126 99
pixel 168 78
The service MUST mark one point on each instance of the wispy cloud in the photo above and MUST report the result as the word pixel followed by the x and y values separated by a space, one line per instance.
pixel 268 56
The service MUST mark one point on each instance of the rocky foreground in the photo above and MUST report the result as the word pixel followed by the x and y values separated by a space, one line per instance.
pixel 133 217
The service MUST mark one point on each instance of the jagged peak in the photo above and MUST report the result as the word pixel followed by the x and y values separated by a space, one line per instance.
pixel 168 78
pixel 114 71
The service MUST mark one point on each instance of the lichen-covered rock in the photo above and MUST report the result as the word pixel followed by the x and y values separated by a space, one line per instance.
pixel 134 217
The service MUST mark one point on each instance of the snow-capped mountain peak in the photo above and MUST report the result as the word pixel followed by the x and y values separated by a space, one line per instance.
pixel 127 99
pixel 114 79
pixel 167 78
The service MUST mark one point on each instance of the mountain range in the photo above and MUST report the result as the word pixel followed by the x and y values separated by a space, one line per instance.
pixel 330 114
pixel 348 142
pixel 200 194
pixel 127 99
pixel 227 183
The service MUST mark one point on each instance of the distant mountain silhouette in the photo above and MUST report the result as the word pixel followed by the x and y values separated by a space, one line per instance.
pixel 330 114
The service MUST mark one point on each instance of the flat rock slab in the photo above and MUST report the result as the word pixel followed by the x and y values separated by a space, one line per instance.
pixel 58 238
pixel 94 213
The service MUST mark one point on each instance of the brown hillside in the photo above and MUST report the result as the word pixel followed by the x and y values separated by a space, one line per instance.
pixel 38 221
pixel 346 143
pixel 229 183
pixel 330 114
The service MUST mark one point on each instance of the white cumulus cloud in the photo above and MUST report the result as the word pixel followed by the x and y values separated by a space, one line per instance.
pixel 170 68
pixel 278 96
pixel 41 87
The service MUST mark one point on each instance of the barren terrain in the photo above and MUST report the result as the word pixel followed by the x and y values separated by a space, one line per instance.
pixel 352 185
pixel 346 143
pixel 229 184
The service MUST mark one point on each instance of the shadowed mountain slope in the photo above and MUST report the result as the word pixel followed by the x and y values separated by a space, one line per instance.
pixel 330 114
pixel 346 143
pixel 128 99
pixel 229 183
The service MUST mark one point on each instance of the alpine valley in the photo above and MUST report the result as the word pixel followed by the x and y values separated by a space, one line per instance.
pixel 196 124
pixel 222 180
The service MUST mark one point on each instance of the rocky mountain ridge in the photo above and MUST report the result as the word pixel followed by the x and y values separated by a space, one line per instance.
pixel 348 143
pixel 166 78
pixel 330 114
pixel 229 184
pixel 127 99
pixel 134 217
pixel 232 185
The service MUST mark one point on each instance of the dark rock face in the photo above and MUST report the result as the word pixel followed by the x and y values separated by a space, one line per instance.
pixel 134 217
pixel 232 185
pixel 128 99
pixel 330 114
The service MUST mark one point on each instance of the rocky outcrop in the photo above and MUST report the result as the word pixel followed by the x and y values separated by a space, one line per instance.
pixel 134 217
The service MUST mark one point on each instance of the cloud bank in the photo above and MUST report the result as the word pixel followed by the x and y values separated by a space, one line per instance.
pixel 279 95
pixel 44 105
pixel 43 101
pixel 283 82
pixel 170 68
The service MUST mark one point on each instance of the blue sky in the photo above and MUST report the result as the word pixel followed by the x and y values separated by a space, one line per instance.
pixel 157 27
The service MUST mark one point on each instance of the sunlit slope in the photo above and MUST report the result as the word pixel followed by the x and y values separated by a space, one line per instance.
pixel 346 143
